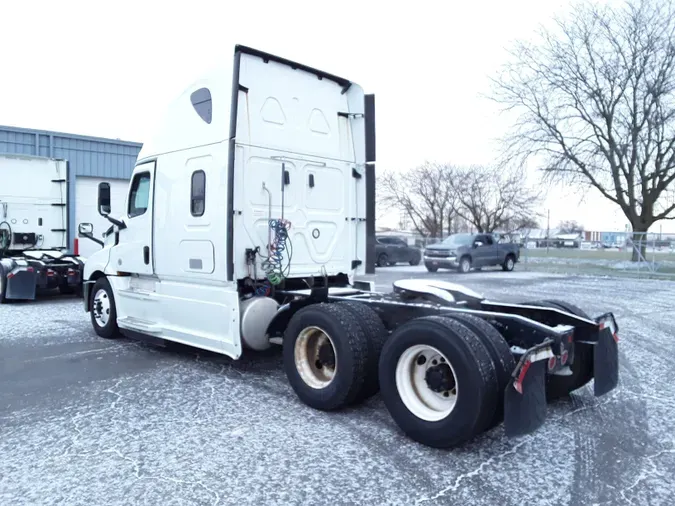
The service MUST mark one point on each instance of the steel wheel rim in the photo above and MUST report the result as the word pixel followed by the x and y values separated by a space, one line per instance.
pixel 101 307
pixel 465 266
pixel 312 349
pixel 412 386
pixel 509 263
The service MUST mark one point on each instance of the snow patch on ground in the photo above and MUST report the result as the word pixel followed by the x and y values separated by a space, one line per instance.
pixel 89 421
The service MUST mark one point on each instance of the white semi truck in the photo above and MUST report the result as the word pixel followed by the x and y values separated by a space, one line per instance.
pixel 249 216
pixel 34 228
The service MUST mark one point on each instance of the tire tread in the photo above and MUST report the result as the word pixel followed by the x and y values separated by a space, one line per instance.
pixel 376 335
pixel 500 353
pixel 353 338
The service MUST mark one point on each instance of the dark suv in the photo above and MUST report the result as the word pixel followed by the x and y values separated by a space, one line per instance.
pixel 392 250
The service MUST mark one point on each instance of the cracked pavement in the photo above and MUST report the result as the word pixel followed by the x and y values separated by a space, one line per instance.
pixel 89 421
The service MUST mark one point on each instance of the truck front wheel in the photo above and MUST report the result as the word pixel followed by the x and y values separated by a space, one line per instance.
pixel 103 312
pixel 464 264
pixel 325 354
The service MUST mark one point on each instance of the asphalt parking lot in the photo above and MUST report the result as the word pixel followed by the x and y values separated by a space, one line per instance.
pixel 89 421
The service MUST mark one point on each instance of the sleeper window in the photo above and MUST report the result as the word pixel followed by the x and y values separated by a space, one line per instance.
pixel 198 193
pixel 139 197
pixel 201 101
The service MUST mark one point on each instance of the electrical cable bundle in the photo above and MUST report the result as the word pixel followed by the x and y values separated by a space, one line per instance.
pixel 277 265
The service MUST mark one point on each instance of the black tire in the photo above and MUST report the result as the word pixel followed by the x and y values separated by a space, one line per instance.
pixel 376 335
pixel 382 260
pixel 431 268
pixel 500 353
pixel 416 260
pixel 350 350
pixel 109 330
pixel 509 263
pixel 64 289
pixel 464 264
pixel 558 387
pixel 3 284
pixel 476 381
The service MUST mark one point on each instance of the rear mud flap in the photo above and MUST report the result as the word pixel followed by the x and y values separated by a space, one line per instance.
pixel 606 362
pixel 525 410
pixel 21 286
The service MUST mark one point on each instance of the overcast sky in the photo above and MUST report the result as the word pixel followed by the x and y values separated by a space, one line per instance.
pixel 108 68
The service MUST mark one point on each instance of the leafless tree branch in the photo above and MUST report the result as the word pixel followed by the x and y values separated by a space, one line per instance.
pixel 595 97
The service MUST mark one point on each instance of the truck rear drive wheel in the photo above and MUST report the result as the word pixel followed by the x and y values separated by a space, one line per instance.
pixel 102 309
pixel 501 356
pixel 437 381
pixel 325 354
pixel 582 368
pixel 376 335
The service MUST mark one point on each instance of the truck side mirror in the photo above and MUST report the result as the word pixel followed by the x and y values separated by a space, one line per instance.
pixel 477 244
pixel 85 229
pixel 104 199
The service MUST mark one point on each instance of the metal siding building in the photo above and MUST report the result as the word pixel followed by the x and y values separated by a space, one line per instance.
pixel 93 157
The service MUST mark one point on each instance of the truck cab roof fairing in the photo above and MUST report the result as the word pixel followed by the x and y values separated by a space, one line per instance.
pixel 182 126
pixel 185 124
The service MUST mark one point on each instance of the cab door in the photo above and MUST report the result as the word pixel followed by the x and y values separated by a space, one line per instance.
pixel 134 253
pixel 482 250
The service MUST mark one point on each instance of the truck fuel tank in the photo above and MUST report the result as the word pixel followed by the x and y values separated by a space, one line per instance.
pixel 256 313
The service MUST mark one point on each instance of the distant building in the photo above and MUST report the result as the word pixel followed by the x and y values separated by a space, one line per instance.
pixel 90 160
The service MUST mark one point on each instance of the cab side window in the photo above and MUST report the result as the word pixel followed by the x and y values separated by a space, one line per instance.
pixel 198 193
pixel 139 196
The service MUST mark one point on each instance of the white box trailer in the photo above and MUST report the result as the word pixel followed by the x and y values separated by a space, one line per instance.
pixel 246 221
pixel 34 228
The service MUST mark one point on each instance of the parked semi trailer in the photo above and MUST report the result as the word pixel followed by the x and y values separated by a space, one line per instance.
pixel 34 228
pixel 246 223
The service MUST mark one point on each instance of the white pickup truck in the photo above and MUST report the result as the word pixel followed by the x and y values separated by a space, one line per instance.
pixel 250 214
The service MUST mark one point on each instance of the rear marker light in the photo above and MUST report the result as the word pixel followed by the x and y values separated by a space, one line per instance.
pixel 518 385
pixel 564 357
pixel 10 275
pixel 551 363
pixel 30 269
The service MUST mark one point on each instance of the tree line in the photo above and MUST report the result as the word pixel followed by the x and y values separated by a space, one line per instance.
pixel 593 101
pixel 441 199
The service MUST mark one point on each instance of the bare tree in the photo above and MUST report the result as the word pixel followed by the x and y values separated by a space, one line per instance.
pixel 423 193
pixel 491 198
pixel 570 227
pixel 524 223
pixel 458 225
pixel 596 98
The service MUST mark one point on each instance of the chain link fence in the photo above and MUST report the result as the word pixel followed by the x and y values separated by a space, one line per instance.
pixel 594 253
pixel 628 254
